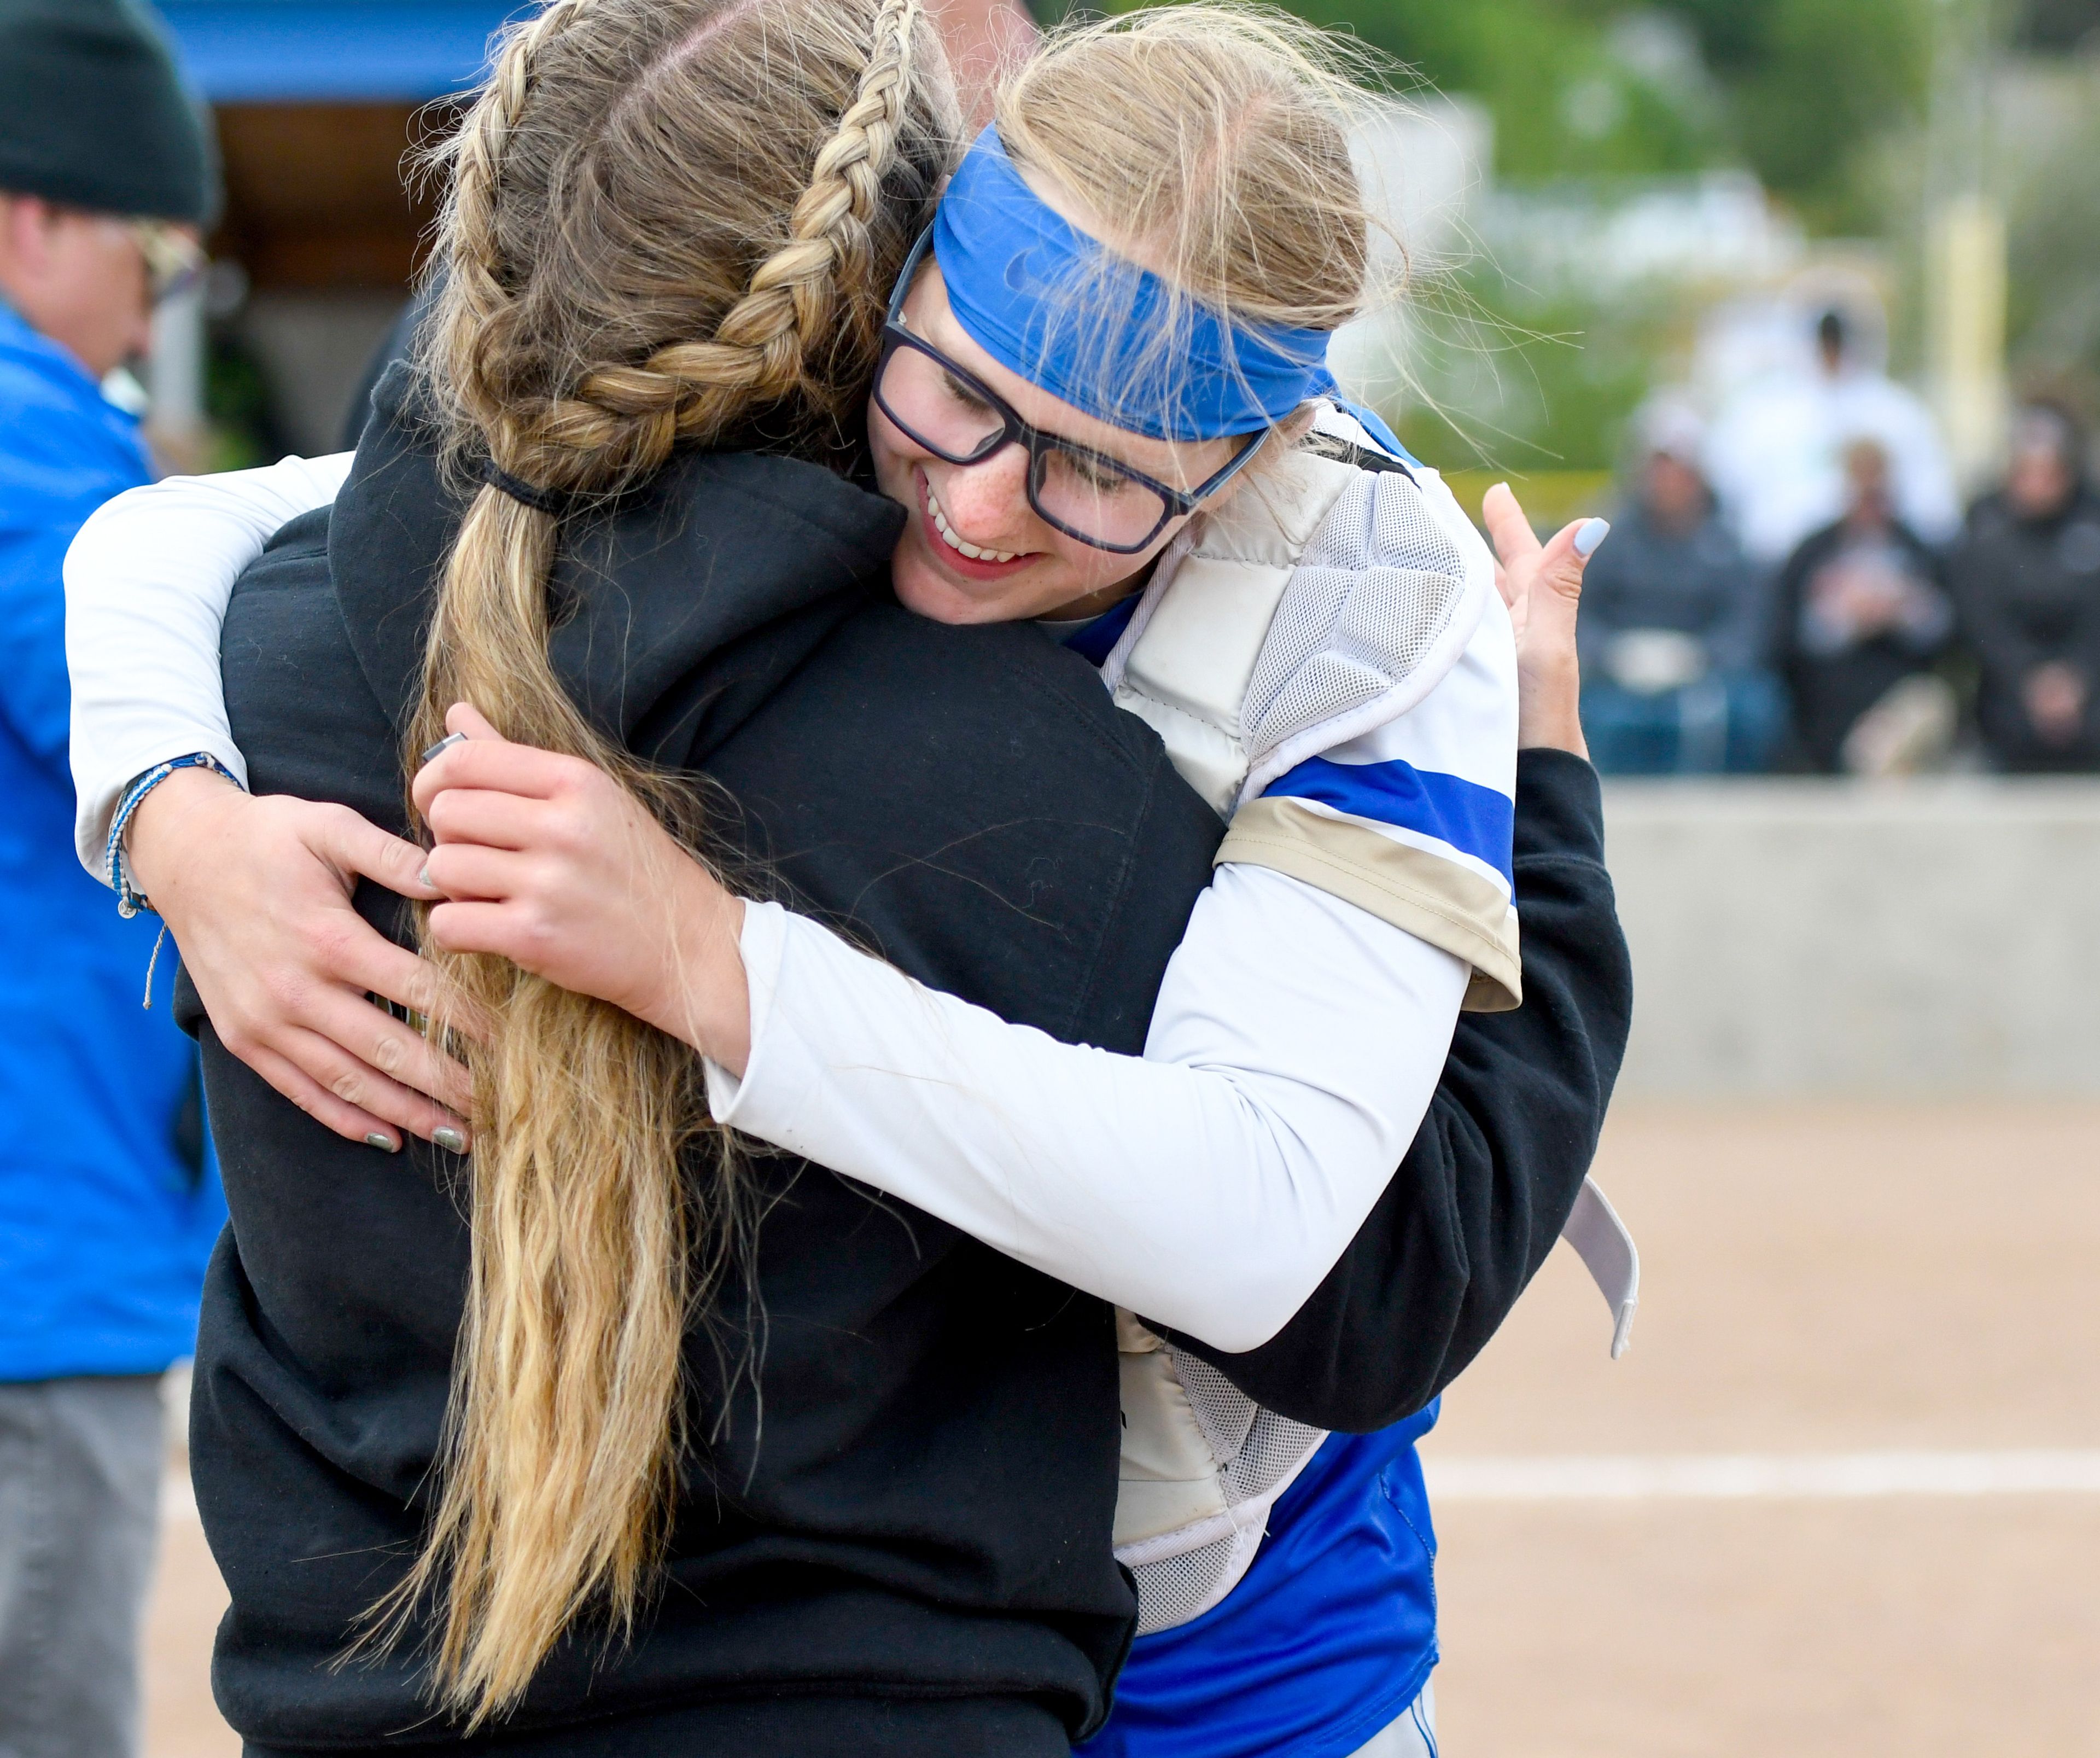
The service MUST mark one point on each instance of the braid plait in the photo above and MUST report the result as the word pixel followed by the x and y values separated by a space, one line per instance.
pixel 759 353
pixel 480 313
pixel 605 187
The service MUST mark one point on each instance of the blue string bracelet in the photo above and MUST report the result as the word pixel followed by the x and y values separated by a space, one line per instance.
pixel 130 900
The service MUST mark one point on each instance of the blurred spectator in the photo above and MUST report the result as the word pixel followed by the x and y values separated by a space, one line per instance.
pixel 2027 578
pixel 108 1206
pixel 1776 456
pixel 1675 624
pixel 1862 618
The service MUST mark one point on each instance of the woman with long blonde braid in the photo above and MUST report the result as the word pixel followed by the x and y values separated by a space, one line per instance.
pixel 589 1248
pixel 625 600
pixel 556 1449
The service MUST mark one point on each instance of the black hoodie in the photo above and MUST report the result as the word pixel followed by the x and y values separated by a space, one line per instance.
pixel 905 1543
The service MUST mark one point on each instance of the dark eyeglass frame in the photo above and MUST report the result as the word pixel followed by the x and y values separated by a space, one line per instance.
pixel 1013 431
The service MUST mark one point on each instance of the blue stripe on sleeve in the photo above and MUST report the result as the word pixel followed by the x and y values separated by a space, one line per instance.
pixel 1477 820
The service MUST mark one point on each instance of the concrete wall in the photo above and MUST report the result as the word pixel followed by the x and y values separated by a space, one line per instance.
pixel 1804 938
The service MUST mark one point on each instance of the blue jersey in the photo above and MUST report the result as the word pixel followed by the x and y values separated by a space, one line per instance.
pixel 1327 1639
pixel 103 1227
pixel 1332 1632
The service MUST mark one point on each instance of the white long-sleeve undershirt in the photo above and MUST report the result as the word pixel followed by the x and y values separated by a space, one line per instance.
pixel 147 580
pixel 1210 1184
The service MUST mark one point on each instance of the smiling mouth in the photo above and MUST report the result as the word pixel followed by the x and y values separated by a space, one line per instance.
pixel 974 552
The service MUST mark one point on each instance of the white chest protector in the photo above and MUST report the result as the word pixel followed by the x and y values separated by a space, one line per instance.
pixel 1324 600
pixel 1321 603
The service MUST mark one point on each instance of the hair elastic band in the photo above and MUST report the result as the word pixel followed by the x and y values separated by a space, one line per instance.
pixel 1098 331
pixel 548 500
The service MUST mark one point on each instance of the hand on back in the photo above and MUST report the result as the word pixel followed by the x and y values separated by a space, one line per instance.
pixel 546 860
pixel 257 893
pixel 540 858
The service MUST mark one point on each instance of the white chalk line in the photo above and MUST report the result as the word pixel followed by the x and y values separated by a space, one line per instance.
pixel 1769 1477
pixel 1750 1476
pixel 1695 1476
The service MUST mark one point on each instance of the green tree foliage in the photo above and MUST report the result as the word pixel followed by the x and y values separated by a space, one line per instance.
pixel 1563 105
pixel 1531 385
pixel 1804 93
pixel 1795 88
pixel 2054 322
pixel 1811 82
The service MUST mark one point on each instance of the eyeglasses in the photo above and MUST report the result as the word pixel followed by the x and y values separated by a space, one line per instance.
pixel 174 261
pixel 954 415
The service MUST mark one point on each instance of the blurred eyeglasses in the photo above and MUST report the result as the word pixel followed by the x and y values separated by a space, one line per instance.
pixel 175 261
pixel 954 415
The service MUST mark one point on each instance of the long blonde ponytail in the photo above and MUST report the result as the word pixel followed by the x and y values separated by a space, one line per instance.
pixel 632 264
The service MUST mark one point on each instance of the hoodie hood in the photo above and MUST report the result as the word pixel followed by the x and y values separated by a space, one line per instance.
pixel 680 605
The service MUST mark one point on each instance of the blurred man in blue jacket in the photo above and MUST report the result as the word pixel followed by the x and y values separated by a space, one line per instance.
pixel 108 1205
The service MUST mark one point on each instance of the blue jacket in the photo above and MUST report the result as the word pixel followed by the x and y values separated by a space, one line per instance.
pixel 105 1222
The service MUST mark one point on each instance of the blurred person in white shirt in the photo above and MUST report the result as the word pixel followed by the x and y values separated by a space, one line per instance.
pixel 1776 454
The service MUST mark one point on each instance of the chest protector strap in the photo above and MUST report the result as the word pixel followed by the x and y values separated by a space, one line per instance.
pixel 1320 602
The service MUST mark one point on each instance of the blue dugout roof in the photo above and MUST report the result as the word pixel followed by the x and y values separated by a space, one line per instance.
pixel 285 51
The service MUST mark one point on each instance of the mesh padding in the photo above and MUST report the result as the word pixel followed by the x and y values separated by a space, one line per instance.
pixel 1276 1447
pixel 1224 1412
pixel 1172 1590
pixel 1266 1446
pixel 1377 585
pixel 1257 1451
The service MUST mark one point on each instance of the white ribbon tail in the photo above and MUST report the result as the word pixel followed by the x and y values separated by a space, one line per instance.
pixel 1608 1251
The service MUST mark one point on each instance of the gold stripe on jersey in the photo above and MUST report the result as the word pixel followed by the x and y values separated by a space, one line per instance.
pixel 1435 899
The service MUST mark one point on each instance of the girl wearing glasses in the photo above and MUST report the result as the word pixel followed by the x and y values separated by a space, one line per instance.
pixel 1075 436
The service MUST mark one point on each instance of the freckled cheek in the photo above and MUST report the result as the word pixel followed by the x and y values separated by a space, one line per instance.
pixel 990 499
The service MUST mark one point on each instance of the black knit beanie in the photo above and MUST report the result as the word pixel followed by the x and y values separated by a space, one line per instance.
pixel 94 115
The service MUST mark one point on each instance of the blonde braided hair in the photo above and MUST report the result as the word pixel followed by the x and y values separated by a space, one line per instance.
pixel 636 174
pixel 780 340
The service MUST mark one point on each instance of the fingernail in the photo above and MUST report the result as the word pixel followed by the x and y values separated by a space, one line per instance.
pixel 443 745
pixel 1594 531
pixel 451 1140
pixel 423 877
pixel 385 1143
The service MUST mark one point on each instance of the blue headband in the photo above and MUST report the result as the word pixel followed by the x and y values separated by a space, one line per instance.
pixel 1095 330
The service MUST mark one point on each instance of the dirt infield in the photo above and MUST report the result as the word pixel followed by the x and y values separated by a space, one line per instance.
pixel 1816 1282
pixel 1831 1280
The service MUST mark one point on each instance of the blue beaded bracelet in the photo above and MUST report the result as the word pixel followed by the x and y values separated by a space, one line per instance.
pixel 130 901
